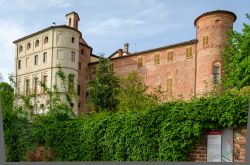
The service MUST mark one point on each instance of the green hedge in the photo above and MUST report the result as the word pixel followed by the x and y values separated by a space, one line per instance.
pixel 167 132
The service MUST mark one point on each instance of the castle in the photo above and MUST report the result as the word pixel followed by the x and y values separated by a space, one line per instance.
pixel 184 69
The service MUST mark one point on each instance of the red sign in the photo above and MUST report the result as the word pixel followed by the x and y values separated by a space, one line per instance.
pixel 218 132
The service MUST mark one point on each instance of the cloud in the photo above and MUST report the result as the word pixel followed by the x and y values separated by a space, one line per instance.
pixel 10 31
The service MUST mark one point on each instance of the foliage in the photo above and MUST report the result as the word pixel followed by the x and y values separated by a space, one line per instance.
pixel 104 87
pixel 133 96
pixel 166 132
pixel 236 59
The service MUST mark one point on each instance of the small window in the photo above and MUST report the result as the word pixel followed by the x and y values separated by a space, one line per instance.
pixel 82 52
pixel 36 60
pixel 73 40
pixel 36 85
pixel 79 105
pixel 78 90
pixel 87 95
pixel 140 62
pixel 216 74
pixel 19 64
pixel 111 67
pixel 46 40
pixel 27 87
pixel 169 85
pixel 205 41
pixel 45 81
pixel 27 62
pixel 189 52
pixel 37 43
pixel 170 56
pixel 157 58
pixel 28 46
pixel 93 70
pixel 73 54
pixel 44 57
pixel 20 49
pixel 69 21
pixel 79 66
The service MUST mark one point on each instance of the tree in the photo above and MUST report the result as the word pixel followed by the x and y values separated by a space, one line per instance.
pixel 236 59
pixel 133 96
pixel 104 87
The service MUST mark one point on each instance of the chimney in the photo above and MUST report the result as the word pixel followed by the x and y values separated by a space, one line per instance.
pixel 120 52
pixel 125 49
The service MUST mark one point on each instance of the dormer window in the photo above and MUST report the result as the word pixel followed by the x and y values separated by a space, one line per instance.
pixel 28 46
pixel 37 43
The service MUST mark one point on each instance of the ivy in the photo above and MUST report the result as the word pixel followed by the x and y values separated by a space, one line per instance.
pixel 165 132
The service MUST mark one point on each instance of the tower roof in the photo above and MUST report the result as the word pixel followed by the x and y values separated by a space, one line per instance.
pixel 215 12
pixel 73 12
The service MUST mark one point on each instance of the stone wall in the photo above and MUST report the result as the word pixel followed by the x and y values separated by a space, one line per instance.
pixel 199 153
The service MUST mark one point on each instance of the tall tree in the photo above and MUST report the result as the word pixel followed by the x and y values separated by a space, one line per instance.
pixel 133 96
pixel 104 87
pixel 236 59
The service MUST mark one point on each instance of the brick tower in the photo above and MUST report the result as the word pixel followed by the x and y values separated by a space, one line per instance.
pixel 211 28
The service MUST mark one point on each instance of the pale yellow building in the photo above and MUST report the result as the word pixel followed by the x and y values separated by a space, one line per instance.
pixel 37 56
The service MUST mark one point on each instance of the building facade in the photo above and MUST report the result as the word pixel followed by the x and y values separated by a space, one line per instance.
pixel 183 70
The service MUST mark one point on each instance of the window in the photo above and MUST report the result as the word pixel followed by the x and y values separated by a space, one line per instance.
pixel 216 74
pixel 46 40
pixel 111 67
pixel 35 85
pixel 205 40
pixel 169 85
pixel 170 56
pixel 73 40
pixel 36 60
pixel 28 46
pixel 71 81
pixel 27 87
pixel 189 52
pixel 157 58
pixel 69 21
pixel 20 49
pixel 45 81
pixel 44 57
pixel 140 62
pixel 78 90
pixel 93 70
pixel 87 95
pixel 19 64
pixel 79 66
pixel 37 43
pixel 27 62
pixel 73 54
pixel 79 105
pixel 82 52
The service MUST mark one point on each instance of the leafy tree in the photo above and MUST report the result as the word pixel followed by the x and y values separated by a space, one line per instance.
pixel 104 87
pixel 133 96
pixel 236 59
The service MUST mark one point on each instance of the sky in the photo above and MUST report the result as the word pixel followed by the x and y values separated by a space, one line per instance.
pixel 107 25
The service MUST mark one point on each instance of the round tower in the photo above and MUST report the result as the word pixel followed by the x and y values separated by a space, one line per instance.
pixel 211 29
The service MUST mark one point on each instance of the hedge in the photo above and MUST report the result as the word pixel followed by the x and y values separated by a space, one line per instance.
pixel 166 132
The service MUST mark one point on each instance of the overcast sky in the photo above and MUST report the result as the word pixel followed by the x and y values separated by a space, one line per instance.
pixel 107 24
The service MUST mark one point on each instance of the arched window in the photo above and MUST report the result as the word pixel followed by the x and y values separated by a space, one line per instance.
pixel 46 39
pixel 20 49
pixel 28 46
pixel 69 21
pixel 216 74
pixel 37 43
